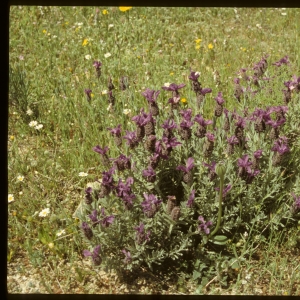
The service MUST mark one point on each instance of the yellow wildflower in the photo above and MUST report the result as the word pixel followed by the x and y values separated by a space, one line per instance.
pixel 44 31
pixel 85 42
pixel 125 8
pixel 198 41
pixel 210 46
pixel 183 100
pixel 172 73
pixel 92 95
pixel 105 11
pixel 11 137
pixel 198 47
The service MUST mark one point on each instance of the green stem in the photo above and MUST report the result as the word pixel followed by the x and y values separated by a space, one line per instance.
pixel 220 206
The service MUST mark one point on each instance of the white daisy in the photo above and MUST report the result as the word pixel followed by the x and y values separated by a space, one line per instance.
pixel 110 25
pixel 38 127
pixel 45 212
pixel 88 56
pixel 20 178
pixel 33 123
pixel 11 198
pixel 127 111
pixel 106 55
pixel 167 84
pixel 82 174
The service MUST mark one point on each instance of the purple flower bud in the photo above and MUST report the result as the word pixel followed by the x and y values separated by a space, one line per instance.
pixel 257 154
pixel 200 120
pixel 173 87
pixel 191 199
pixel 188 167
pixel 88 93
pixel 116 131
pixel 282 61
pixel 151 95
pixel 232 140
pixel 210 136
pixel 100 150
pixel 220 99
pixel 204 226
pixel 95 255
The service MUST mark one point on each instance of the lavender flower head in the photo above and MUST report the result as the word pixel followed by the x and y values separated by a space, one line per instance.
pixel 296 204
pixel 88 195
pixel 95 255
pixel 257 154
pixel 244 163
pixel 211 167
pixel 150 174
pixel 116 131
pixel 97 64
pixel 191 199
pixel 282 61
pixel 173 87
pixel 233 140
pixel 280 146
pixel 241 122
pixel 220 99
pixel 101 151
pixel 194 76
pixel 210 136
pixel 169 124
pixel 141 236
pixel 200 120
pixel 225 190
pixel 150 205
pixel 204 226
pixel 131 137
pixel 186 114
pixel 170 143
pixel 123 189
pixel 151 95
pixel 205 91
pixel 188 167
pixel 87 230
pixel 93 217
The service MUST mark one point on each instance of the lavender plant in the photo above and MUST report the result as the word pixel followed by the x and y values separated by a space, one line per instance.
pixel 165 200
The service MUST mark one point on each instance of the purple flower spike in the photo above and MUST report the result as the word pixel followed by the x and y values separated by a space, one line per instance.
pixel 186 114
pixel 280 146
pixel 93 217
pixel 141 236
pixel 220 99
pixel 205 91
pixel 210 136
pixel 116 131
pixel 233 140
pixel 173 87
pixel 95 255
pixel 149 174
pixel 257 154
pixel 97 64
pixel 225 190
pixel 241 122
pixel 211 167
pixel 204 226
pixel 88 93
pixel 169 124
pixel 200 120
pixel 107 221
pixel 191 199
pixel 275 124
pixel 151 95
pixel 194 76
pixel 131 138
pixel 296 204
pixel 100 150
pixel 150 205
pixel 189 165
pixel 282 61
pixel 244 162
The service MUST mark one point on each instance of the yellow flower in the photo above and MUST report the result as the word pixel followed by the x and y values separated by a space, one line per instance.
pixel 44 31
pixel 198 47
pixel 210 46
pixel 183 100
pixel 11 137
pixel 85 42
pixel 125 8
pixel 92 95
pixel 198 41
pixel 66 23
pixel 105 11
pixel 172 73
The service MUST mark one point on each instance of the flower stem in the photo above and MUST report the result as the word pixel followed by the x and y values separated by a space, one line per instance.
pixel 220 206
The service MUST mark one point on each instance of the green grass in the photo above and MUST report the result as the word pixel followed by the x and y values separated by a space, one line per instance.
pixel 151 46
